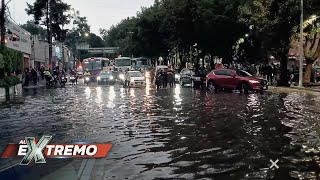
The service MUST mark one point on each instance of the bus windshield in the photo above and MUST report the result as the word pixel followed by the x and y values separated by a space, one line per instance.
pixel 92 65
pixel 142 63
pixel 123 62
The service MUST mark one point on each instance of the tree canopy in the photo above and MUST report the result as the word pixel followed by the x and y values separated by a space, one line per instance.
pixel 35 29
pixel 39 11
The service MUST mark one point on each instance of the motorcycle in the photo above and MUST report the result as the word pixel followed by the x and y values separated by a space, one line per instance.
pixel 55 79
pixel 87 80
pixel 63 81
pixel 73 80
pixel 50 82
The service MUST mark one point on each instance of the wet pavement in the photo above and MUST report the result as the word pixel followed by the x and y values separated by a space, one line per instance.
pixel 176 133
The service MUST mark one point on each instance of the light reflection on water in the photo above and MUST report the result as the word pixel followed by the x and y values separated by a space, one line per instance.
pixel 177 133
pixel 99 95
pixel 112 96
pixel 88 92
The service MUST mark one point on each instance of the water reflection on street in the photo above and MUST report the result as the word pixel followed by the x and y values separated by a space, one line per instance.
pixel 172 133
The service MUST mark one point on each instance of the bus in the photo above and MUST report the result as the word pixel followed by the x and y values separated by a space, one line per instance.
pixel 94 65
pixel 141 63
pixel 121 64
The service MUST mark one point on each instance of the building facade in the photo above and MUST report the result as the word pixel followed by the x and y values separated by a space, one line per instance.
pixel 40 53
pixel 19 39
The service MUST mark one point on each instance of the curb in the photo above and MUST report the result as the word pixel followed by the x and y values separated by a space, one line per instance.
pixel 293 89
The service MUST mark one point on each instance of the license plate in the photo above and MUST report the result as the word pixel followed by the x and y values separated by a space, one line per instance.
pixel 264 88
pixel 104 80
pixel 197 79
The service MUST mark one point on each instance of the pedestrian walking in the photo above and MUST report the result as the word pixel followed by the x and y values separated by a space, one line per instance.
pixel 165 79
pixel 34 76
pixel 42 69
pixel 26 77
pixel 170 76
pixel 159 79
pixel 152 75
pixel 269 73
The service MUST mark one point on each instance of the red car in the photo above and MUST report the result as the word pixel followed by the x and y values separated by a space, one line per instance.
pixel 231 79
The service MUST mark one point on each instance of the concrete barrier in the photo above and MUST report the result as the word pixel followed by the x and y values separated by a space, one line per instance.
pixel 2 92
pixel 13 90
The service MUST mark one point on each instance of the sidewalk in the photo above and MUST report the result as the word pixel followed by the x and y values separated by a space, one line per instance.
pixel 312 90
pixel 41 83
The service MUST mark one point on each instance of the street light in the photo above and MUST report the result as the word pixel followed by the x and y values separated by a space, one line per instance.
pixel 86 34
pixel 313 16
pixel 301 48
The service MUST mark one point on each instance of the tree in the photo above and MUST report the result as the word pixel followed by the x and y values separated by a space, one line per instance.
pixel 95 41
pixel 311 47
pixel 39 10
pixel 276 22
pixel 34 29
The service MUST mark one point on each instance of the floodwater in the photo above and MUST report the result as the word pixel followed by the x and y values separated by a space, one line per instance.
pixel 167 134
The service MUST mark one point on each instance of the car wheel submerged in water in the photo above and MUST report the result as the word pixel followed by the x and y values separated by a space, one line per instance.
pixel 211 86
pixel 244 88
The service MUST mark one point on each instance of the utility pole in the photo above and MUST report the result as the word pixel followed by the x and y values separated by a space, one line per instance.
pixel 2 23
pixel 301 48
pixel 50 34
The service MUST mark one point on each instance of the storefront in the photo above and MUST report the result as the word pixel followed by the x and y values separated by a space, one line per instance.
pixel 19 39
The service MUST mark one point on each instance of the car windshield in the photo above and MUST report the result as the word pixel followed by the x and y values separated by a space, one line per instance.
pixel 123 62
pixel 135 74
pixel 106 73
pixel 243 73
pixel 187 72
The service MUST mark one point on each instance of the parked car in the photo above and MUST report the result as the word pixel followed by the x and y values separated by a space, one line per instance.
pixel 136 79
pixel 186 76
pixel 317 73
pixel 106 77
pixel 199 79
pixel 177 78
pixel 231 79
pixel 162 67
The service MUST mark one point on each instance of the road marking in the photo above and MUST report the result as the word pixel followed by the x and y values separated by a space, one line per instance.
pixel 274 163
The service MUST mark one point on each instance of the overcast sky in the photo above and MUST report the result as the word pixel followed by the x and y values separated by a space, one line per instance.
pixel 100 13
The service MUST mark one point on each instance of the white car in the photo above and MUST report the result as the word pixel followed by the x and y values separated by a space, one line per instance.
pixel 163 67
pixel 136 79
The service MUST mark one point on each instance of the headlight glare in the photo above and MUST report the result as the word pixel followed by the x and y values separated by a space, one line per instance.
pixel 121 76
pixel 253 81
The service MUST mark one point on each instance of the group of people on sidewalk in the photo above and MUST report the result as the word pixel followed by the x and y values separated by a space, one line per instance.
pixel 162 78
pixel 34 76
pixel 165 77
pixel 31 75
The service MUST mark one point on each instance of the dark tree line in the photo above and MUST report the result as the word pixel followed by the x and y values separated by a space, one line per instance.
pixel 248 30
pixel 266 27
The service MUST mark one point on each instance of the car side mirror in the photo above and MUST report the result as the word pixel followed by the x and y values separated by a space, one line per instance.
pixel 234 75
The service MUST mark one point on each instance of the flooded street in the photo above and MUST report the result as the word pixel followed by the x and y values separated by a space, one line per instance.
pixel 176 133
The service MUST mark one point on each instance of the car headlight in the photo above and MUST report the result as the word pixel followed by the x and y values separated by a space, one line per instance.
pixel 111 77
pixel 87 79
pixel 131 80
pixel 147 74
pixel 98 78
pixel 121 76
pixel 254 81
